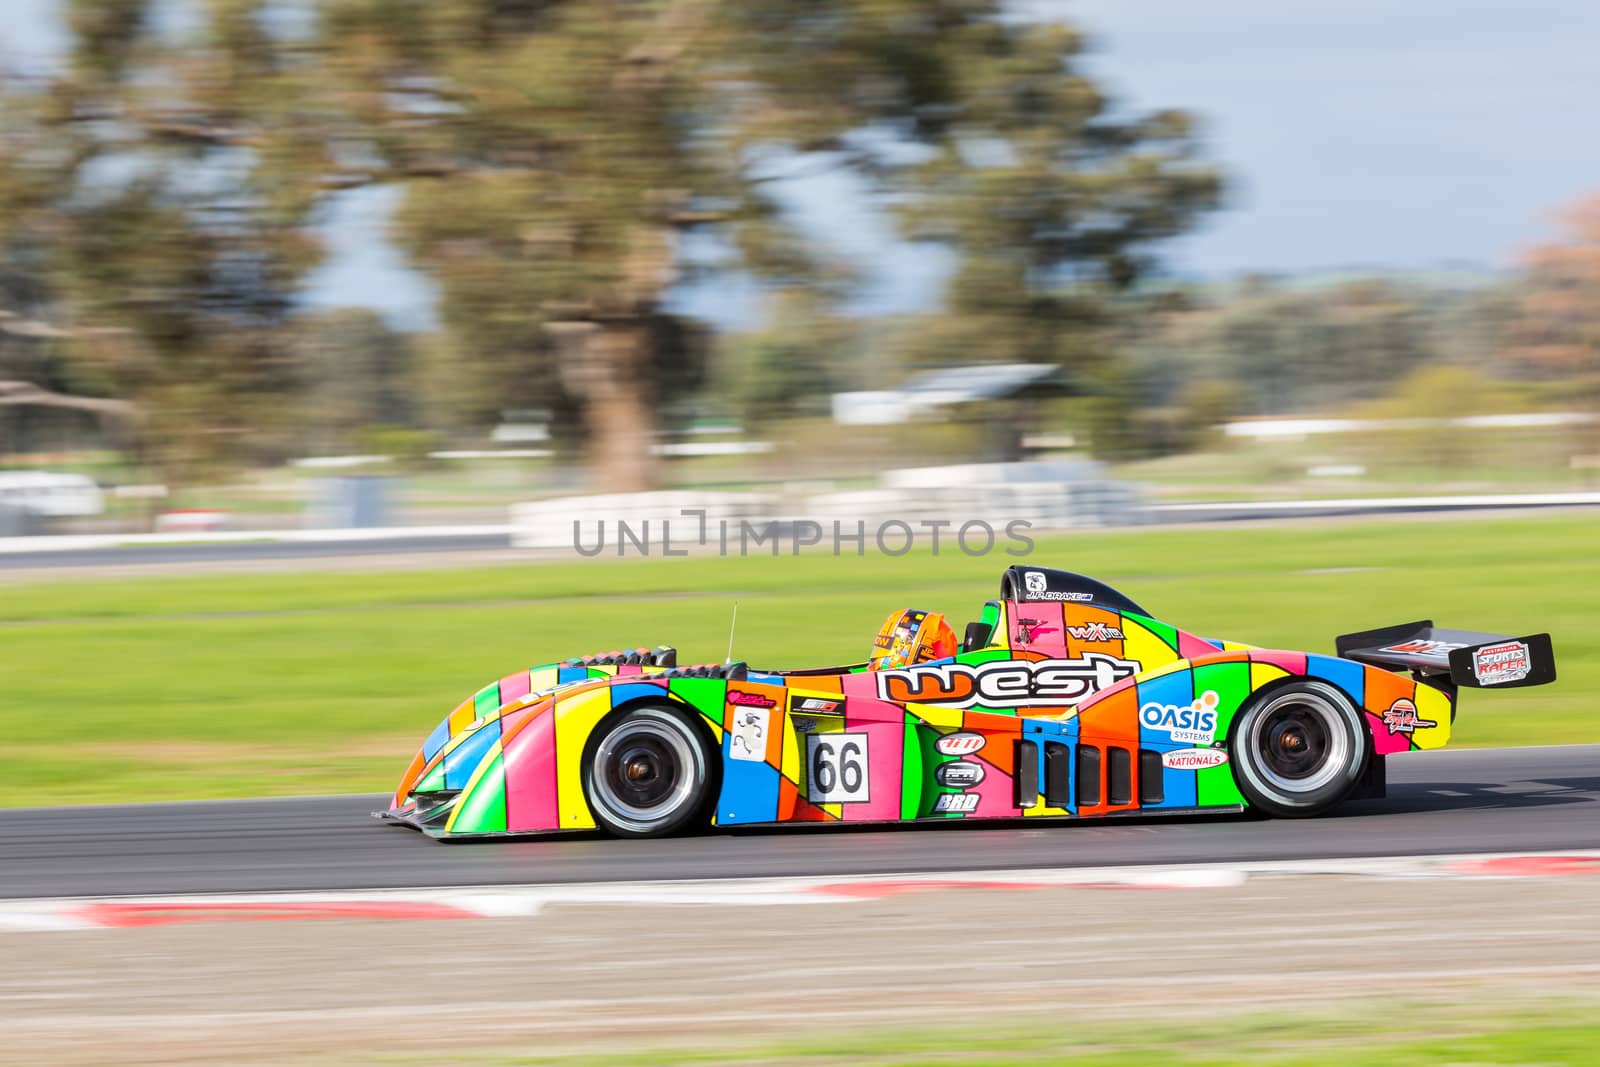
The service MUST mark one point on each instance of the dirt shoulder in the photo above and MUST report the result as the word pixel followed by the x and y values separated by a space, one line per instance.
pixel 588 978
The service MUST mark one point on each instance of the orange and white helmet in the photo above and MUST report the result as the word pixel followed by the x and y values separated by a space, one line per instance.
pixel 910 637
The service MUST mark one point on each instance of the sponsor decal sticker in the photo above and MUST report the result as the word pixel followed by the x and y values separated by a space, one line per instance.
pixel 956 802
pixel 1095 631
pixel 747 739
pixel 960 744
pixel 837 768
pixel 1005 684
pixel 1498 664
pixel 750 700
pixel 1037 587
pixel 959 775
pixel 1194 759
pixel 1195 723
pixel 815 706
pixel 1402 717
pixel 1424 648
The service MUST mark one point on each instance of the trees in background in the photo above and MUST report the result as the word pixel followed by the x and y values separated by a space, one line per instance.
pixel 790 366
pixel 1055 200
pixel 553 154
pixel 160 229
pixel 159 196
pixel 1556 334
pixel 355 372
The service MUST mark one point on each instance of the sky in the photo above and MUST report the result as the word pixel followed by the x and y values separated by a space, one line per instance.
pixel 1356 134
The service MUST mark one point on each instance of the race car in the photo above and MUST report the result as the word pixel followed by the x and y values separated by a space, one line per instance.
pixel 1064 700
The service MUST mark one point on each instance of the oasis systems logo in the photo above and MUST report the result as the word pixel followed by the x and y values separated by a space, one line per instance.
pixel 1195 723
pixel 1007 683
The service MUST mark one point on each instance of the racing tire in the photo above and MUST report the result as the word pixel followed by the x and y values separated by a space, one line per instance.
pixel 1299 748
pixel 648 771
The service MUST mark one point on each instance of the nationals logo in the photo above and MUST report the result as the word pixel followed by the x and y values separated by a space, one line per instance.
pixel 1194 759
pixel 1005 684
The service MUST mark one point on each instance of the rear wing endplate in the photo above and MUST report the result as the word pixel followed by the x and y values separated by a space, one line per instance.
pixel 1484 661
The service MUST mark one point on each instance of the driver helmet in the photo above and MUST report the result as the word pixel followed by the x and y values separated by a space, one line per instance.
pixel 910 637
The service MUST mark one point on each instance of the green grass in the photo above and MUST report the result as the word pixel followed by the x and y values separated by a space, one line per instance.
pixel 1394 1035
pixel 1395 464
pixel 159 688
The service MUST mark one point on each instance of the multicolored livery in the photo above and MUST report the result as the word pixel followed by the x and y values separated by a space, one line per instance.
pixel 1064 700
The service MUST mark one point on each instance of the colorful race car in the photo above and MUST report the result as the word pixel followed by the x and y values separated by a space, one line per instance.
pixel 1064 700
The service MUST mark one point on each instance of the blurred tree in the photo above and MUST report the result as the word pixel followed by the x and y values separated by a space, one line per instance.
pixel 1557 332
pixel 1421 408
pixel 1204 405
pixel 555 151
pixel 356 372
pixel 1318 347
pixel 157 224
pixel 790 366
pixel 1055 199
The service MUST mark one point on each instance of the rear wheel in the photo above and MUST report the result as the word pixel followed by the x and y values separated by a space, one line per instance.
pixel 1298 749
pixel 648 772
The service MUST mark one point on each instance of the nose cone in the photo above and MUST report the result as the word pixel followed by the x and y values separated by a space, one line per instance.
pixel 483 765
pixel 409 779
pixel 458 787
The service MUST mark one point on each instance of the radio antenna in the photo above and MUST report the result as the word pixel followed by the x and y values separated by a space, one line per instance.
pixel 731 626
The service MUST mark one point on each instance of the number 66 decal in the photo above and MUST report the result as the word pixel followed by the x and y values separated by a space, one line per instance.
pixel 837 765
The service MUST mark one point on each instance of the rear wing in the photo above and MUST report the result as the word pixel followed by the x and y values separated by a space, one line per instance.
pixel 1484 661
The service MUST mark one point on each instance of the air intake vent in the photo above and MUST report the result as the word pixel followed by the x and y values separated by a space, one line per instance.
pixel 1119 776
pixel 1088 775
pixel 1150 777
pixel 1027 774
pixel 1057 775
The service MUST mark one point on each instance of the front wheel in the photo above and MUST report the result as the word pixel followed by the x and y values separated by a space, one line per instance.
pixel 1299 749
pixel 647 773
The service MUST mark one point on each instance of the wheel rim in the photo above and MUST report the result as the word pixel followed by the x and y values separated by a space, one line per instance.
pixel 643 771
pixel 1300 742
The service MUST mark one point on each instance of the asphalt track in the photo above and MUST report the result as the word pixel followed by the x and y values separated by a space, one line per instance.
pixel 1487 800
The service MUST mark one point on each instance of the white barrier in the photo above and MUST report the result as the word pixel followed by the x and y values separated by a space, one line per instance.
pixel 649 518
pixel 623 523
pixel 50 494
